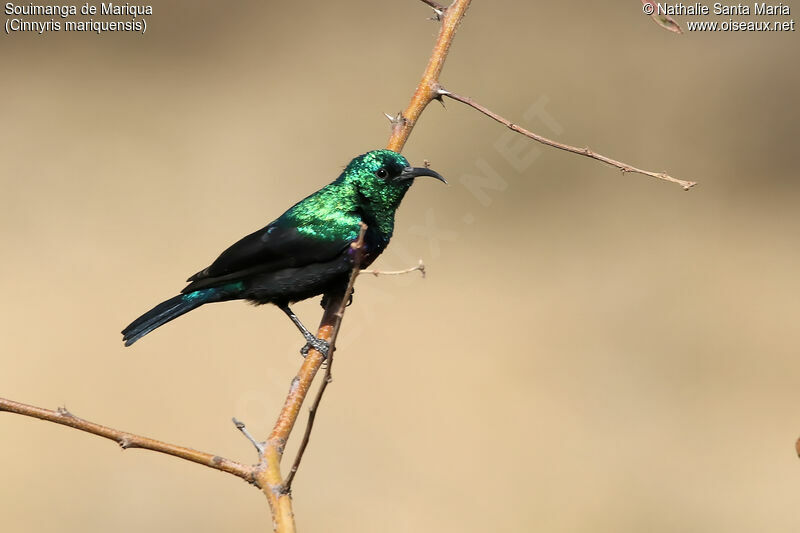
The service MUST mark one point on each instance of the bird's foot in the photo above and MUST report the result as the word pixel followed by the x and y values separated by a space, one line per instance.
pixel 320 345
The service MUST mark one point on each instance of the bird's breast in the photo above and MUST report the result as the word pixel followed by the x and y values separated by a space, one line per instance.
pixel 375 242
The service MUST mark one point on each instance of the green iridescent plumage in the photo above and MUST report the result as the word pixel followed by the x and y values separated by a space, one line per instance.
pixel 306 251
pixel 334 212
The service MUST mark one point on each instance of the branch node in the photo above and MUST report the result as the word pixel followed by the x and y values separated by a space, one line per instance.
pixel 396 121
pixel 63 411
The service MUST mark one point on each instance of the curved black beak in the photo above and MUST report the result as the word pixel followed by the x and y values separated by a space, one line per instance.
pixel 414 172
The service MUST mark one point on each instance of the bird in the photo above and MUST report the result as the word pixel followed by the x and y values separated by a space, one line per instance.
pixel 305 252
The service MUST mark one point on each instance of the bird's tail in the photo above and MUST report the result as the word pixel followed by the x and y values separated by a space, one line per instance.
pixel 166 311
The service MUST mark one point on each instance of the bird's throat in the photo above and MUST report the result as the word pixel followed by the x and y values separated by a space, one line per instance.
pixel 377 208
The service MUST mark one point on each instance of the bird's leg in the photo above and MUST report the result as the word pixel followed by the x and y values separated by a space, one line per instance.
pixel 320 345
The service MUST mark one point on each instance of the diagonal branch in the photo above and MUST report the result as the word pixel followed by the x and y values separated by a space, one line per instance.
pixel 259 446
pixel 427 89
pixel 439 8
pixel 358 253
pixel 662 19
pixel 268 471
pixel 624 167
pixel 129 440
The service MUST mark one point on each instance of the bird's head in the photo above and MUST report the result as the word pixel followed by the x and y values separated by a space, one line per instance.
pixel 384 176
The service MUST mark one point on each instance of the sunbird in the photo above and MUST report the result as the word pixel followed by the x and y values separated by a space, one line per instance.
pixel 306 251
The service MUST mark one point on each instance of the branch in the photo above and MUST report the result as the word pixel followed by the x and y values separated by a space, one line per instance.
pixel 129 440
pixel 358 253
pixel 427 89
pixel 268 471
pixel 665 21
pixel 624 167
pixel 269 475
pixel 266 474
pixel 420 267
pixel 436 6
pixel 259 446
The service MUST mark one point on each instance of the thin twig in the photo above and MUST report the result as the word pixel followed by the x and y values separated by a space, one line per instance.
pixel 129 440
pixel 420 267
pixel 259 446
pixel 624 167
pixel 358 253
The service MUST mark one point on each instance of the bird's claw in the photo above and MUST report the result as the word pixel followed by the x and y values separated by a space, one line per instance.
pixel 319 345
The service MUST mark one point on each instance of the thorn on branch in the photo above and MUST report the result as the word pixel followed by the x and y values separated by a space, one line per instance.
pixel 396 121
pixel 438 9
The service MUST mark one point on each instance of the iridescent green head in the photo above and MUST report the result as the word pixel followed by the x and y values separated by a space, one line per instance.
pixel 382 177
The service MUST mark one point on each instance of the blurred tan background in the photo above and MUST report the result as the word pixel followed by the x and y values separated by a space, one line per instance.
pixel 590 352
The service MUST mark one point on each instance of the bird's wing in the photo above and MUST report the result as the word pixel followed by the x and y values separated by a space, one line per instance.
pixel 271 248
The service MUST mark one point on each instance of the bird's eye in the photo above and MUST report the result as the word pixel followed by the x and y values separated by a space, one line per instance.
pixel 382 173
